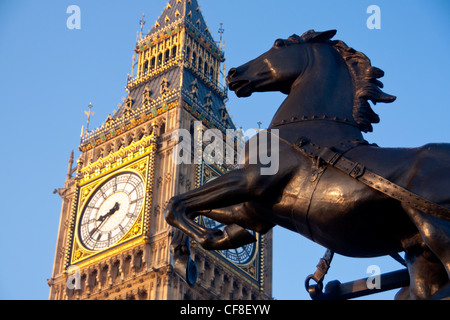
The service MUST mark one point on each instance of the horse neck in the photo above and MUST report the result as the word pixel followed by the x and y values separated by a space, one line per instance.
pixel 320 101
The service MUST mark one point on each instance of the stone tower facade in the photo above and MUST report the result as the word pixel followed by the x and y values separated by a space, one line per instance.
pixel 113 241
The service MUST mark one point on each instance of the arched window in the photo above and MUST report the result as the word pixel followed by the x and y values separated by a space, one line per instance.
pixel 153 63
pixel 200 64
pixel 194 59
pixel 145 67
pixel 174 51
pixel 167 55
pixel 211 74
pixel 206 69
pixel 188 54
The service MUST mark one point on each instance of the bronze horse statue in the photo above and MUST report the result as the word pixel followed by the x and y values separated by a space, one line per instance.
pixel 329 86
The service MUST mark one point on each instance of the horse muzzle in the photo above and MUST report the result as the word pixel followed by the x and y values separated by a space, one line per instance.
pixel 242 87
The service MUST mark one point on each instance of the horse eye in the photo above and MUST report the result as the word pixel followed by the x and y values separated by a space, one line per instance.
pixel 279 43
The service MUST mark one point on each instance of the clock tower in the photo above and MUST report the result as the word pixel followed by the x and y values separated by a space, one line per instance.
pixel 113 241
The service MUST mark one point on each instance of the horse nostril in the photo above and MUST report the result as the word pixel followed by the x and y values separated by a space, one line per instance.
pixel 232 72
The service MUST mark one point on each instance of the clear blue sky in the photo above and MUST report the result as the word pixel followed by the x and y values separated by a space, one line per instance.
pixel 49 74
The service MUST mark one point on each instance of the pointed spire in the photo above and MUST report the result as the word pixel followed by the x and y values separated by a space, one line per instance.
pixel 142 22
pixel 89 114
pixel 221 32
pixel 186 10
pixel 69 170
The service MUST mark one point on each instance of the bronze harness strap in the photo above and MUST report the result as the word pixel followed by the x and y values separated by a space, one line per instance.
pixel 371 179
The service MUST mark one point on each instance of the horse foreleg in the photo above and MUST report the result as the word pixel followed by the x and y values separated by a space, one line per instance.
pixel 237 217
pixel 233 235
pixel 241 214
pixel 230 189
pixel 183 264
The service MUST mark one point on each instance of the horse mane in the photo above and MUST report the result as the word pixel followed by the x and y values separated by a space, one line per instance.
pixel 365 79
pixel 366 85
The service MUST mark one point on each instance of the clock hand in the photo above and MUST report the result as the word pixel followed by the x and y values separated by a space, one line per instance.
pixel 102 219
pixel 110 213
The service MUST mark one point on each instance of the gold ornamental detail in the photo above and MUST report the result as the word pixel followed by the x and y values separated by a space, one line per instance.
pixel 118 159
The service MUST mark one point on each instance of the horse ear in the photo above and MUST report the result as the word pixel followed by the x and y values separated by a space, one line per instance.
pixel 313 36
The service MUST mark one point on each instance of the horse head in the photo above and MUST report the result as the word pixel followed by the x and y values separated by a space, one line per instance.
pixel 331 74
pixel 270 72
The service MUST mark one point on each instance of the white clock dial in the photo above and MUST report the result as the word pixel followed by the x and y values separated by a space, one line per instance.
pixel 111 211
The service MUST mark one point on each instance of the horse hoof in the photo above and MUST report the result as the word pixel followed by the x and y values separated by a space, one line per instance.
pixel 232 237
pixel 238 236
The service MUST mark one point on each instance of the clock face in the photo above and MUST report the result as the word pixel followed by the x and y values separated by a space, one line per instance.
pixel 111 211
